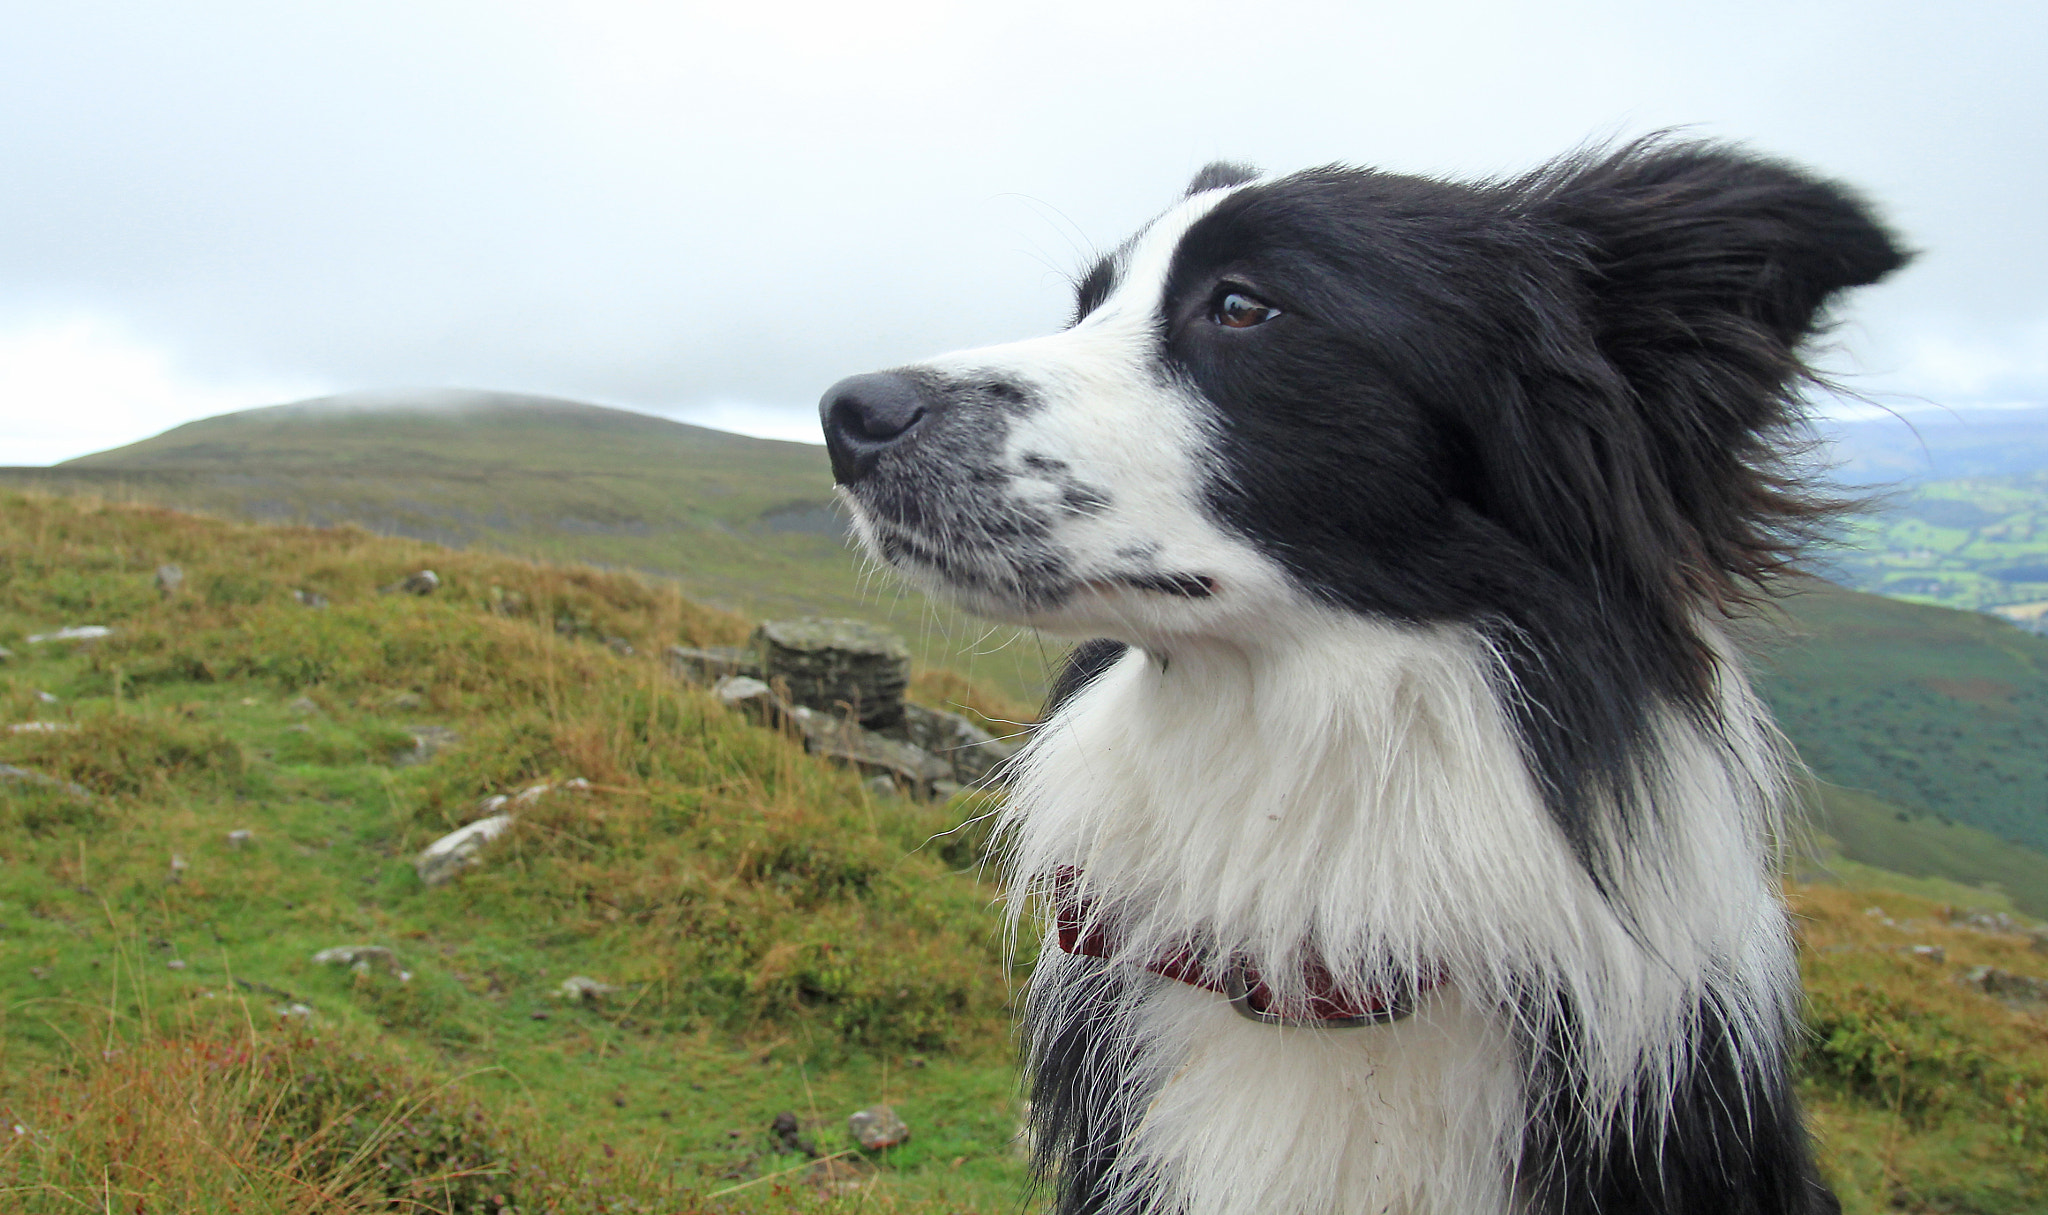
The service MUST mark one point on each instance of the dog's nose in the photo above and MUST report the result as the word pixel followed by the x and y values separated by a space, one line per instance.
pixel 863 415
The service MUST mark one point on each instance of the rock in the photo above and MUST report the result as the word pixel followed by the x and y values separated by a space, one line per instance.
pixel 296 1012
pixel 883 786
pixel 311 599
pixel 178 868
pixel 175 964
pixel 168 579
pixel 837 1176
pixel 709 665
pixel 758 701
pixel 427 742
pixel 77 632
pixel 23 776
pixel 360 958
pixel 303 706
pixel 789 1137
pixel 41 727
pixel 241 838
pixel 419 582
pixel 2003 985
pixel 877 1127
pixel 973 753
pixel 619 646
pixel 583 989
pixel 836 666
pixel 448 856
pixel 46 697
pixel 842 741
pixel 1928 953
pixel 6 655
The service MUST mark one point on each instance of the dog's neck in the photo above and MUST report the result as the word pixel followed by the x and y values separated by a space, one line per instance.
pixel 1360 794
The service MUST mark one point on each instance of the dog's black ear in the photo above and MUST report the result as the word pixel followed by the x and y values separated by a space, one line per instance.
pixel 1220 175
pixel 1687 239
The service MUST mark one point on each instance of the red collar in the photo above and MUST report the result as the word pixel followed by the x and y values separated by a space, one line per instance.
pixel 1327 1007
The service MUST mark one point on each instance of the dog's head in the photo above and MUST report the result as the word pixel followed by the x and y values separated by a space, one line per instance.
pixel 1383 394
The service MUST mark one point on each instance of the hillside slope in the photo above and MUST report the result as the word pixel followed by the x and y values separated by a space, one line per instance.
pixel 775 938
pixel 747 524
pixel 1938 711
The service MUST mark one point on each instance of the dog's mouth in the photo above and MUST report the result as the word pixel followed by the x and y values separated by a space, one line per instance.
pixel 1180 586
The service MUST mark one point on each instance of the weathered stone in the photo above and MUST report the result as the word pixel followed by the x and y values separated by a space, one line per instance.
pixel 583 989
pixel 24 776
pixel 619 646
pixel 749 696
pixel 1928 953
pixel 710 664
pixel 304 706
pixel 42 727
pixel 365 958
pixel 877 1127
pixel 168 579
pixel 448 856
pixel 419 582
pixel 427 742
pixel 311 599
pixel 2003 985
pixel 847 667
pixel 6 655
pixel 842 741
pixel 973 753
pixel 76 632
pixel 241 838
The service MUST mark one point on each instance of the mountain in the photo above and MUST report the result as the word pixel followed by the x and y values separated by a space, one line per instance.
pixel 741 523
pixel 1941 713
pixel 1938 444
pixel 1910 710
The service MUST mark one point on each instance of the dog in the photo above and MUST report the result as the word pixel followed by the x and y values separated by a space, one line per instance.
pixel 1404 837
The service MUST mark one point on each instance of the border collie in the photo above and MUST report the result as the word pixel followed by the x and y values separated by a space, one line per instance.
pixel 1406 836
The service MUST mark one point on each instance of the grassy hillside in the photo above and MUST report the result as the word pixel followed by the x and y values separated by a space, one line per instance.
pixel 1942 713
pixel 744 523
pixel 778 940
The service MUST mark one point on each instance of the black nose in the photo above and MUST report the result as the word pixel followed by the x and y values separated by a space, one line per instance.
pixel 863 415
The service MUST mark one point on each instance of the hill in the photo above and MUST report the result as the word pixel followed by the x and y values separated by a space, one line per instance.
pixel 1941 713
pixel 746 524
pixel 774 938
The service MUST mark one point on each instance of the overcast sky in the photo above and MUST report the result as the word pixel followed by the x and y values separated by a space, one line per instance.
pixel 713 211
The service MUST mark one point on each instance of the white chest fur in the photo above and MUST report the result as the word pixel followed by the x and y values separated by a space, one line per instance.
pixel 1358 791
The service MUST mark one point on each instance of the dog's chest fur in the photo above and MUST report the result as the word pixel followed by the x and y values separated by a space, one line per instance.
pixel 1352 792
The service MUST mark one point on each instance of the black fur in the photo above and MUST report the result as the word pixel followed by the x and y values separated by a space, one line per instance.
pixel 1552 408
pixel 1555 408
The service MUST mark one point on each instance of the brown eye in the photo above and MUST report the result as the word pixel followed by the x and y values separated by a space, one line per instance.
pixel 1241 311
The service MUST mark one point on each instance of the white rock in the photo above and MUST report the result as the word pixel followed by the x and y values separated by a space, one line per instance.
pixel 358 957
pixel 877 1127
pixel 77 632
pixel 40 727
pixel 583 987
pixel 452 853
pixel 241 838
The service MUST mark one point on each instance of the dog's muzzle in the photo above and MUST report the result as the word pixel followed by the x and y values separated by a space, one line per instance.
pixel 865 415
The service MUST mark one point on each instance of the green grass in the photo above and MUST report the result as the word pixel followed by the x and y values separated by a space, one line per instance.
pixel 1941 713
pixel 743 523
pixel 780 940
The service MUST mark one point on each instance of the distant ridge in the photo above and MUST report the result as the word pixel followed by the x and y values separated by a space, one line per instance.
pixel 410 427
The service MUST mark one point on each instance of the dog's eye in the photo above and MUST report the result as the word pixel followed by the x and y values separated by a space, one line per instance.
pixel 1241 311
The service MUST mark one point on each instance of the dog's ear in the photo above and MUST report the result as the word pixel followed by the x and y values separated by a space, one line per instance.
pixel 1688 239
pixel 1682 280
pixel 1220 175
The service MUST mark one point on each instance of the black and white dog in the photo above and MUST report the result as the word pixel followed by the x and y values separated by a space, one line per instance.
pixel 1409 848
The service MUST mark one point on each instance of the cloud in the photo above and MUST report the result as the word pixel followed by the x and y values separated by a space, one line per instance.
pixel 81 384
